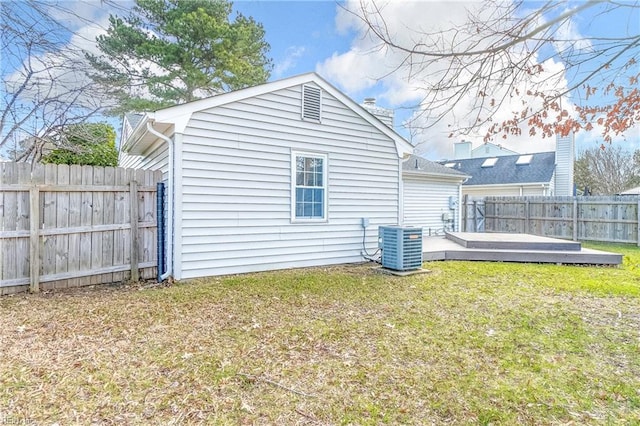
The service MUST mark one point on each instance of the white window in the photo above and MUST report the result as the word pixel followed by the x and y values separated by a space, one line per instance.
pixel 490 162
pixel 524 159
pixel 308 186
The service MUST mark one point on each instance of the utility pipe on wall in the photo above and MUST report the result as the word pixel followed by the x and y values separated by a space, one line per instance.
pixel 170 203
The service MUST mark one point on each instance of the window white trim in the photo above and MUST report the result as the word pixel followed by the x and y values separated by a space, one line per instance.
pixel 325 186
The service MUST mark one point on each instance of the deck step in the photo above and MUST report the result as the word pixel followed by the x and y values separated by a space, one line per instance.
pixel 447 248
pixel 495 241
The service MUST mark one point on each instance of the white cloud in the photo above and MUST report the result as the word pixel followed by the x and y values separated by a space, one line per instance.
pixel 60 72
pixel 292 54
pixel 568 38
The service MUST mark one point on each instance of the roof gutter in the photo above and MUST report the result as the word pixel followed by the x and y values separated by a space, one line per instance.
pixel 511 184
pixel 170 203
pixel 435 174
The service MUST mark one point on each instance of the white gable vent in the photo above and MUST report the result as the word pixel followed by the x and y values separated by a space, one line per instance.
pixel 311 103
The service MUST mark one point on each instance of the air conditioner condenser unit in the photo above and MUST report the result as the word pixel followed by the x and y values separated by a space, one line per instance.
pixel 401 247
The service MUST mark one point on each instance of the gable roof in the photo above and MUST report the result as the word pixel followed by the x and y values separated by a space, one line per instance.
pixel 505 170
pixel 491 149
pixel 416 165
pixel 178 116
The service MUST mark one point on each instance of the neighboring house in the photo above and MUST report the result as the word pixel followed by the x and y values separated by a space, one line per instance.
pixel 273 176
pixel 530 174
pixel 541 173
pixel 632 191
pixel 431 195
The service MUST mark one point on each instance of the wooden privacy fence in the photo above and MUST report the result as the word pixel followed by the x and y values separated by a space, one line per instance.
pixel 604 218
pixel 69 226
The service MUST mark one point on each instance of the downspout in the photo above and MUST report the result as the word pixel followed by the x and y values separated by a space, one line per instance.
pixel 400 193
pixel 169 249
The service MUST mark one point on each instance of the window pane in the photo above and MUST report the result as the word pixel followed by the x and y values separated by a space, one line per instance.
pixel 317 195
pixel 308 210
pixel 308 195
pixel 299 178
pixel 308 163
pixel 308 179
pixel 299 210
pixel 317 210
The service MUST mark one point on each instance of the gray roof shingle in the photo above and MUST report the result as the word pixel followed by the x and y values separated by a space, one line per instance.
pixel 133 118
pixel 506 171
pixel 420 165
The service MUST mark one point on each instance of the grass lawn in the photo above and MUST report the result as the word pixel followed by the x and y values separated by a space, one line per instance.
pixel 470 342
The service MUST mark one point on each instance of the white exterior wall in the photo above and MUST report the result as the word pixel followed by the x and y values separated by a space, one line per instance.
pixel 425 199
pixel 234 186
pixel 479 191
pixel 154 158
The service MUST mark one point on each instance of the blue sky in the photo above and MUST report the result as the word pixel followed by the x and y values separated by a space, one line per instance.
pixel 319 36
pixel 301 33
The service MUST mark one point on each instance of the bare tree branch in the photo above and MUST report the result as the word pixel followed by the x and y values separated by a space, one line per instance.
pixel 497 58
pixel 44 81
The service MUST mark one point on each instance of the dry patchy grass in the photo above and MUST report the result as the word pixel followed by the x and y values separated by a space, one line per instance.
pixel 468 343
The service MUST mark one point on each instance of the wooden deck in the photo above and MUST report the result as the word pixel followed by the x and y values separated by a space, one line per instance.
pixel 501 247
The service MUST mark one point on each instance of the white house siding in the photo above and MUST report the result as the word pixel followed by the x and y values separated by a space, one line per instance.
pixel 154 158
pixel 425 199
pixel 479 191
pixel 535 190
pixel 236 186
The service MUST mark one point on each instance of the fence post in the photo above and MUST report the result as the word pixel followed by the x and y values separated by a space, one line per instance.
pixel 638 221
pixel 465 214
pixel 34 239
pixel 575 218
pixel 527 216
pixel 133 195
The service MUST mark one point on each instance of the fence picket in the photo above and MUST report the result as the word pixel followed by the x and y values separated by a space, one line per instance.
pixel 107 237
pixel 48 253
pixel 10 213
pixel 62 221
pixel 75 211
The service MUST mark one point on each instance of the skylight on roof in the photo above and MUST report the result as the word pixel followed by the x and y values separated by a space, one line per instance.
pixel 450 165
pixel 524 159
pixel 490 162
